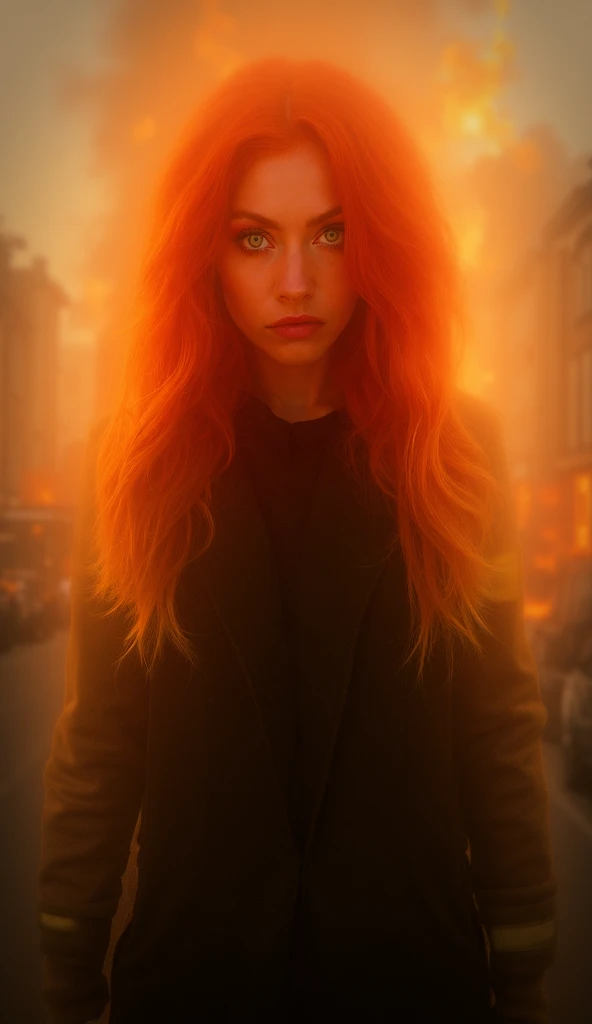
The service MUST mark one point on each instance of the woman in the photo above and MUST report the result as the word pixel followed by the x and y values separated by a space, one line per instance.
pixel 297 643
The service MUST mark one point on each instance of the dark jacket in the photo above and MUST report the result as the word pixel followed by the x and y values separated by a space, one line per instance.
pixel 380 910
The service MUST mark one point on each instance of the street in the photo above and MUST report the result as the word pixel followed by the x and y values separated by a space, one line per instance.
pixel 31 693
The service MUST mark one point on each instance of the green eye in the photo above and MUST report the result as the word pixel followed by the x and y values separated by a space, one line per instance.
pixel 256 239
pixel 257 236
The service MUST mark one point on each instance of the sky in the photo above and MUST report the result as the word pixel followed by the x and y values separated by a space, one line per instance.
pixel 73 71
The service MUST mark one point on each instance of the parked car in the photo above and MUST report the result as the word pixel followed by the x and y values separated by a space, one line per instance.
pixel 576 716
pixel 555 639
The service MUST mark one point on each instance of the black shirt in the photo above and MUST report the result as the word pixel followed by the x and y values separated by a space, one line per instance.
pixel 283 461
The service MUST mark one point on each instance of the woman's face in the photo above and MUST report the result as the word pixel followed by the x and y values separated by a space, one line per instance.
pixel 282 256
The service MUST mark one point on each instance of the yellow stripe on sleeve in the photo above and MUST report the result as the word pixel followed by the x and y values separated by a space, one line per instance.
pixel 515 937
pixel 61 924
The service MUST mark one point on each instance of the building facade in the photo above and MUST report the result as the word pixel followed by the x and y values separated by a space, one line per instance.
pixel 31 307
pixel 568 245
pixel 545 395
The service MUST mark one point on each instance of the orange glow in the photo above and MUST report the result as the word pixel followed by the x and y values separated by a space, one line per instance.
pixel 583 512
pixel 95 295
pixel 215 40
pixel 546 562
pixel 527 156
pixel 523 503
pixel 537 610
pixel 470 236
pixel 38 489
pixel 472 83
pixel 472 80
pixel 549 496
pixel 144 129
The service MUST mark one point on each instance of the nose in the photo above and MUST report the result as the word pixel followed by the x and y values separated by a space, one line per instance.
pixel 295 280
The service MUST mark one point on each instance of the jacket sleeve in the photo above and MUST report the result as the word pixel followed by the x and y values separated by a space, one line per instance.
pixel 499 720
pixel 93 780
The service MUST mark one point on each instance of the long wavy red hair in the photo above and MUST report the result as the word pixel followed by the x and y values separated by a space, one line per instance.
pixel 170 431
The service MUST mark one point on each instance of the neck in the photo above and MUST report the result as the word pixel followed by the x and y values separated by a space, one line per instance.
pixel 295 414
pixel 295 393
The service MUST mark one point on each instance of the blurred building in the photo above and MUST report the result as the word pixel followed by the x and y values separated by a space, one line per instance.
pixel 545 373
pixel 569 252
pixel 30 317
pixel 76 413
pixel 34 524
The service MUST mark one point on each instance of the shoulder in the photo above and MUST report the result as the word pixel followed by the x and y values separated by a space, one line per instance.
pixel 485 425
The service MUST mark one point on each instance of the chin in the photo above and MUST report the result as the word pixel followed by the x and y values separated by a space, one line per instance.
pixel 297 351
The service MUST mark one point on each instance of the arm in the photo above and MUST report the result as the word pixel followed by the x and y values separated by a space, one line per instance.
pixel 93 786
pixel 499 719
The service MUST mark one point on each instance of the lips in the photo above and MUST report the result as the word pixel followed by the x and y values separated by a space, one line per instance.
pixel 286 320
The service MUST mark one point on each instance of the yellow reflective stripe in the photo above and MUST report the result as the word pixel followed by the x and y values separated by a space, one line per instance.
pixel 61 924
pixel 514 937
pixel 505 582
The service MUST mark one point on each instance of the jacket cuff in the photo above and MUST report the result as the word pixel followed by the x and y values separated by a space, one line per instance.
pixel 74 988
pixel 73 993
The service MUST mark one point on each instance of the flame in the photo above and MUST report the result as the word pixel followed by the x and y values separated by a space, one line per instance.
pixel 472 82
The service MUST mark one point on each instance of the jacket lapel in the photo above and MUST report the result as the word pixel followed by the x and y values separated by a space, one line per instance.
pixel 342 557
pixel 238 573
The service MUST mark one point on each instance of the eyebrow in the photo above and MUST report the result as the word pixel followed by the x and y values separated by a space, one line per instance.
pixel 260 219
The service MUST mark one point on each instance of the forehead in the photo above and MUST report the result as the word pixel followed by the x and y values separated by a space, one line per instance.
pixel 299 181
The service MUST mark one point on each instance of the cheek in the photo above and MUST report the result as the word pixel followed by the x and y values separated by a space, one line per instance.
pixel 343 291
pixel 337 277
pixel 239 287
